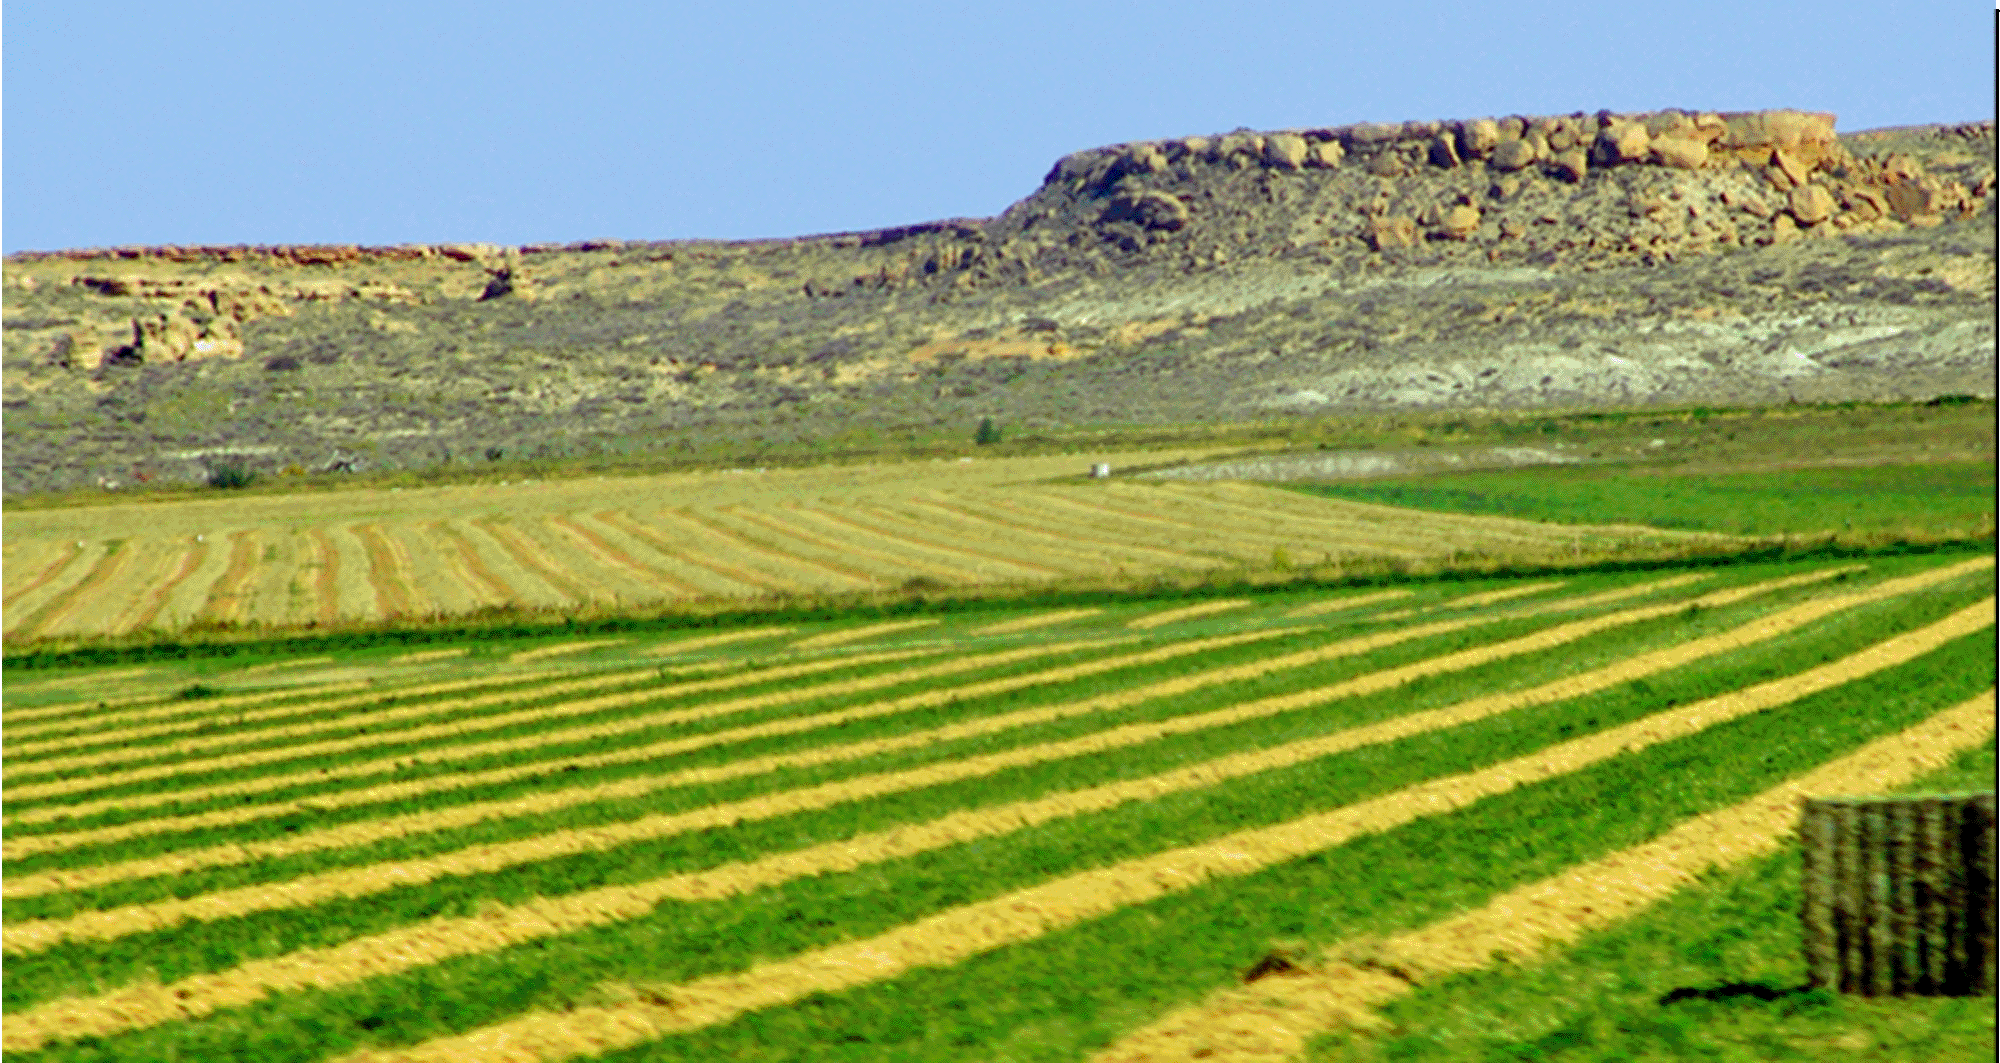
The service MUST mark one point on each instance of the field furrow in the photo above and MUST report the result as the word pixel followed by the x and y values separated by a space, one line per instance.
pixel 487 586
pixel 527 555
pixel 388 572
pixel 735 543
pixel 798 524
pixel 147 575
pixel 99 579
pixel 46 560
pixel 609 544
pixel 956 935
pixel 717 574
pixel 586 557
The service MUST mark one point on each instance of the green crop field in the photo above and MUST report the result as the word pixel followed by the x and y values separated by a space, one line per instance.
pixel 1946 498
pixel 1064 830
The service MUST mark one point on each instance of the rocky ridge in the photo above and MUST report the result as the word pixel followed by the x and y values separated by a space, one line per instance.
pixel 1290 270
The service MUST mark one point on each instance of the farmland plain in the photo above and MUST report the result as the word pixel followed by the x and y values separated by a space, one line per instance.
pixel 745 535
pixel 1010 830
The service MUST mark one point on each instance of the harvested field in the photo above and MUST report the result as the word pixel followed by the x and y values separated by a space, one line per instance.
pixel 285 560
pixel 966 827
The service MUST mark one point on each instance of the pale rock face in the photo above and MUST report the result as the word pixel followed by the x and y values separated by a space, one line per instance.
pixel 1285 151
pixel 1326 154
pixel 1622 143
pixel 1460 221
pixel 1679 152
pixel 1810 204
pixel 1571 165
pixel 1478 138
pixel 1394 231
pixel 1512 155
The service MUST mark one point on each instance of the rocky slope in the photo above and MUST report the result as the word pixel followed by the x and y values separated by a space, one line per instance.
pixel 1563 261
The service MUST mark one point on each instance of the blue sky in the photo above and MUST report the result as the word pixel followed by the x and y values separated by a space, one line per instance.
pixel 368 122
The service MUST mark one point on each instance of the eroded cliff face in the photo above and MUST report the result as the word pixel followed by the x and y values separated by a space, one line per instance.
pixel 1566 260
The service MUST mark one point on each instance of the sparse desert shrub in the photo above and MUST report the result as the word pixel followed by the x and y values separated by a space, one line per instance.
pixel 230 475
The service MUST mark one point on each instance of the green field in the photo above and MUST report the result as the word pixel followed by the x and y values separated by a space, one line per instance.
pixel 1715 973
pixel 1918 500
pixel 990 831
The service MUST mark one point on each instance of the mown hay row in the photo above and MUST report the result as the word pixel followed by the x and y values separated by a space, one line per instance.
pixel 80 558
pixel 793 527
pixel 1218 541
pixel 634 754
pixel 1039 620
pixel 168 715
pixel 757 544
pixel 438 584
pixel 388 572
pixel 381 707
pixel 978 516
pixel 285 780
pixel 1191 612
pixel 989 561
pixel 432 820
pixel 1105 702
pixel 669 574
pixel 527 556
pixel 615 575
pixel 1276 1017
pixel 953 936
pixel 487 586
pixel 1257 530
pixel 497 927
pixel 560 650
pixel 1339 605
pixel 658 581
pixel 151 573
pixel 716 574
pixel 857 634
pixel 1261 528
pixel 113 774
pixel 986 541
pixel 847 790
pixel 49 615
pixel 45 559
pixel 703 642
pixel 341 589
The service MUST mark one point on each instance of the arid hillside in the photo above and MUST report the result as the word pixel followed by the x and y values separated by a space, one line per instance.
pixel 1579 260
